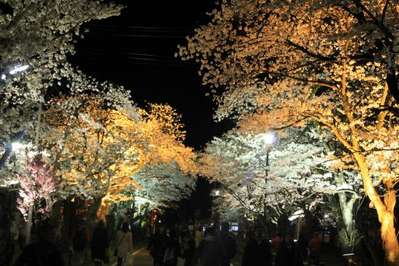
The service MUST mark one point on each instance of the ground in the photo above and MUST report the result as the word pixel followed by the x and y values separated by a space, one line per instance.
pixel 142 258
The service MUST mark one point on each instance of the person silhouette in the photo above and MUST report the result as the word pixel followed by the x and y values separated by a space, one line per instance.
pixel 42 252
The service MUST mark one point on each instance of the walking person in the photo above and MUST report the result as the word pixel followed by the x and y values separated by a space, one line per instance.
pixel 228 244
pixel 314 248
pixel 210 251
pixel 198 236
pixel 266 252
pixel 284 255
pixel 172 249
pixel 156 246
pixel 251 253
pixel 301 251
pixel 99 244
pixel 124 246
pixel 42 252
pixel 79 243
pixel 188 249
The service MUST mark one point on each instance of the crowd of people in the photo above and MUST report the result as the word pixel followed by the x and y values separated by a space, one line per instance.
pixel 218 247
pixel 280 251
pixel 44 252
pixel 214 246
pixel 210 248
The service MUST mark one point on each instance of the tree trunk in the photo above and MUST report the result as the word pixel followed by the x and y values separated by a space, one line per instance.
pixel 348 235
pixel 28 226
pixel 390 241
pixel 385 211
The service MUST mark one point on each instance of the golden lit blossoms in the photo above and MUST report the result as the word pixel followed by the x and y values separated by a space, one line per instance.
pixel 97 149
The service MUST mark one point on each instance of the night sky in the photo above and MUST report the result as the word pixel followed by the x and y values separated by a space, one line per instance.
pixel 137 50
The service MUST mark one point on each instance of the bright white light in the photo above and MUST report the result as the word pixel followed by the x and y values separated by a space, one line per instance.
pixel 296 215
pixel 269 137
pixel 217 192
pixel 18 68
pixel 16 146
pixel 140 200
pixel 3 76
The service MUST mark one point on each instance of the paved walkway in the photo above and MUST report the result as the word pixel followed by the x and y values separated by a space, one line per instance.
pixel 141 258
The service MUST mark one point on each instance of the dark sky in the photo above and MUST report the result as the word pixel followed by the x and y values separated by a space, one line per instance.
pixel 137 50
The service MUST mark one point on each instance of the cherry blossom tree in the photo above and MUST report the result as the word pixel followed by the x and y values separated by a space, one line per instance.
pixel 97 144
pixel 163 185
pixel 37 188
pixel 36 38
pixel 293 174
pixel 335 63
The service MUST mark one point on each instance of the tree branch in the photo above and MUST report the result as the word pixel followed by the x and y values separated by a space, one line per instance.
pixel 310 53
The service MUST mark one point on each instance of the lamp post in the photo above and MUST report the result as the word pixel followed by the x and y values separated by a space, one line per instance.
pixel 268 139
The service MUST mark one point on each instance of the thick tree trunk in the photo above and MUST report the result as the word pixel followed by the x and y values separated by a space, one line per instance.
pixel 28 226
pixel 349 236
pixel 385 211
pixel 390 241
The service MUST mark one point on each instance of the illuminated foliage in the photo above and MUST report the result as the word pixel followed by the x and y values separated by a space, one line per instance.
pixel 36 38
pixel 333 62
pixel 97 146
pixel 163 185
pixel 37 188
pixel 293 174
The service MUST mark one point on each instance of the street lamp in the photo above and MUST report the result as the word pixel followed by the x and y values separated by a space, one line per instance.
pixel 269 138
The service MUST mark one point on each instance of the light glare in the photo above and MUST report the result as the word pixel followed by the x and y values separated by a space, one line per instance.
pixel 269 138
pixel 18 69
pixel 16 146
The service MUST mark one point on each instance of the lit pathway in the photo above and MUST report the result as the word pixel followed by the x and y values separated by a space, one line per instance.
pixel 142 258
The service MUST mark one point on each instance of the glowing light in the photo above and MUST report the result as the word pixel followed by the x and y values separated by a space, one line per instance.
pixel 140 200
pixel 296 215
pixel 217 192
pixel 18 68
pixel 269 138
pixel 16 146
pixel 3 76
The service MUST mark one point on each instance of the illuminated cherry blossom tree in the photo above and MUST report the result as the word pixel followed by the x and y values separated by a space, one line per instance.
pixel 332 62
pixel 37 188
pixel 163 185
pixel 296 173
pixel 97 144
pixel 36 38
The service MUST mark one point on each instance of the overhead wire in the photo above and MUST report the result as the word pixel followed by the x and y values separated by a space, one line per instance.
pixel 143 32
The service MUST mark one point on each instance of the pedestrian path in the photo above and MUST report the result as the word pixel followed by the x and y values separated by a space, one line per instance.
pixel 141 257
